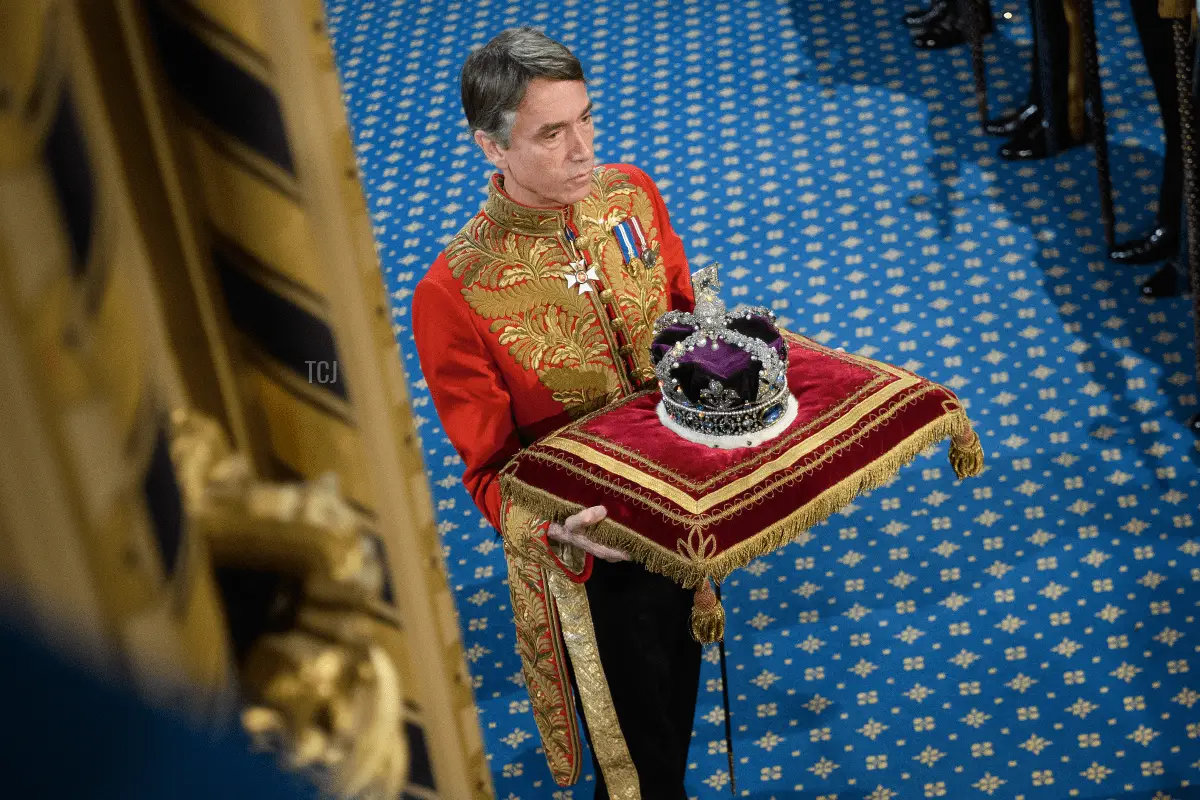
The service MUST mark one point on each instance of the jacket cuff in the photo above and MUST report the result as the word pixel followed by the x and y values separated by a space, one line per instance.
pixel 575 564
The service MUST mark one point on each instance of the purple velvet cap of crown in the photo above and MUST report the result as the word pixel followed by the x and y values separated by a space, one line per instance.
pixel 728 363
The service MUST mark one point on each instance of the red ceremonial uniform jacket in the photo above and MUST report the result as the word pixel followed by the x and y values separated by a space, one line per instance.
pixel 530 318
pixel 516 336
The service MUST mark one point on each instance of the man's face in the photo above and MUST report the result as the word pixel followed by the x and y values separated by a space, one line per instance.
pixel 549 160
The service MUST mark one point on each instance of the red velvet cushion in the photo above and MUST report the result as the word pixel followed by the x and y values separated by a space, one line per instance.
pixel 689 511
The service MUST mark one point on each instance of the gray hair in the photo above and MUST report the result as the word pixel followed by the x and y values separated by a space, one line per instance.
pixel 495 77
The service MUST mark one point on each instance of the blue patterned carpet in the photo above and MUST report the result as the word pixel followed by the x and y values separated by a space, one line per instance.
pixel 1027 634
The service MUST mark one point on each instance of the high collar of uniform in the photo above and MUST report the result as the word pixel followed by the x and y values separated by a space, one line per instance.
pixel 518 218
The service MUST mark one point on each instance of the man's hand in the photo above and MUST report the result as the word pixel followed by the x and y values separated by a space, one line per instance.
pixel 574 532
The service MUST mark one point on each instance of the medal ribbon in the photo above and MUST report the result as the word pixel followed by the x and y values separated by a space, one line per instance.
pixel 625 239
pixel 572 234
pixel 642 245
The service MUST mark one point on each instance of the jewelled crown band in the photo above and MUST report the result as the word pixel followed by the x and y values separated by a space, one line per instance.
pixel 721 374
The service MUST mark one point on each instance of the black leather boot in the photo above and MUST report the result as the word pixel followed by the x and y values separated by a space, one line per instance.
pixel 927 16
pixel 940 35
pixel 1029 142
pixel 1160 243
pixel 1164 283
pixel 1008 124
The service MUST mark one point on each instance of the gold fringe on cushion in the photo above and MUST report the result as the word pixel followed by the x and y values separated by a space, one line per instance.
pixel 651 555
pixel 708 616
pixel 688 572
pixel 966 455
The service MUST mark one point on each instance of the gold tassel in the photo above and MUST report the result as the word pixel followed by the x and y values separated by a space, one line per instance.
pixel 708 616
pixel 966 456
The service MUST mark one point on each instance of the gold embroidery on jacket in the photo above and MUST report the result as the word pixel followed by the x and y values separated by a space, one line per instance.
pixel 608 740
pixel 511 263
pixel 640 295
pixel 539 642
pixel 492 257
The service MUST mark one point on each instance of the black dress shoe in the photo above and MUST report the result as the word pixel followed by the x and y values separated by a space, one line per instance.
pixel 927 16
pixel 1029 142
pixel 1161 243
pixel 1164 283
pixel 1013 121
pixel 940 35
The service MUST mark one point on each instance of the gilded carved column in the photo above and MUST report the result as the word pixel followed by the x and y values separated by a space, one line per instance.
pixel 194 336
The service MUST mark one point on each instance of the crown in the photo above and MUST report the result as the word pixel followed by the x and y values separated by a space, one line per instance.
pixel 723 375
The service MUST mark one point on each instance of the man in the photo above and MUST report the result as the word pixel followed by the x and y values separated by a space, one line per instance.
pixel 1163 241
pixel 1054 117
pixel 538 311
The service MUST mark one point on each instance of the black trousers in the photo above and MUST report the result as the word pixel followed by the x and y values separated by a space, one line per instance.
pixel 1158 47
pixel 1049 75
pixel 652 664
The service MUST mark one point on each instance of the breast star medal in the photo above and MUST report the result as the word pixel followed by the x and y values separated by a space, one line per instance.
pixel 581 275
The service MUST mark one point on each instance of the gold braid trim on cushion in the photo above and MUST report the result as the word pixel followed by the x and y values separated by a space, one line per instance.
pixel 693 560
pixel 666 501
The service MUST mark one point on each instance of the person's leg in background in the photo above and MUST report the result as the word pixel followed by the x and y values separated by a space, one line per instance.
pixel 1158 48
pixel 1056 81
pixel 1166 239
pixel 1010 124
